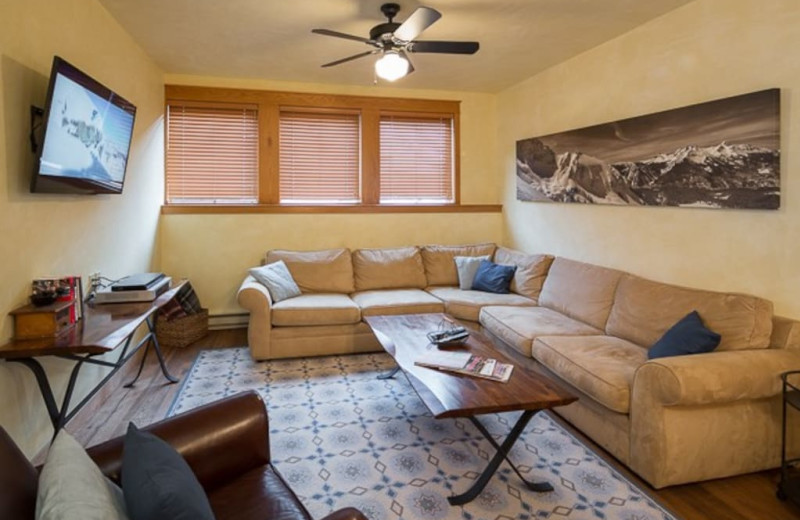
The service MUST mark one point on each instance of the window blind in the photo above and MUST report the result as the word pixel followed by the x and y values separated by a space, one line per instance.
pixel 212 154
pixel 416 159
pixel 319 157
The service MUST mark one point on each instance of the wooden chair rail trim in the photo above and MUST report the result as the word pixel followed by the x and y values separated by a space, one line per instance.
pixel 201 209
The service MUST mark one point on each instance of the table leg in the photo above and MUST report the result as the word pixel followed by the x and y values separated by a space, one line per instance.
pixel 494 463
pixel 57 417
pixel 152 340
pixel 389 375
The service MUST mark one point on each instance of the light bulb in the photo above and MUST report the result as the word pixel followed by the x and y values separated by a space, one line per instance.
pixel 391 66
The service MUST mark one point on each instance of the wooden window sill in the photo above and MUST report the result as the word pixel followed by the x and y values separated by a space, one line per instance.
pixel 201 209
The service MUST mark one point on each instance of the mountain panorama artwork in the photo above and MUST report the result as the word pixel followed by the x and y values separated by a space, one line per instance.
pixel 719 154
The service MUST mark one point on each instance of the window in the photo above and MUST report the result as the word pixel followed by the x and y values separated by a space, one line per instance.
pixel 416 159
pixel 319 157
pixel 212 154
pixel 270 151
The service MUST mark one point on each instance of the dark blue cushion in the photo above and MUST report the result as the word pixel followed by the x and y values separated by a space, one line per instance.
pixel 688 336
pixel 493 278
pixel 158 483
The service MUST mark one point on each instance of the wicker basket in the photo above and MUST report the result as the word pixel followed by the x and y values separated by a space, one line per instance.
pixel 182 332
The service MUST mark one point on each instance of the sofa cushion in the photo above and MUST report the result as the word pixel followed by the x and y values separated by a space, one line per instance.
pixel 493 278
pixel 644 310
pixel 440 265
pixel 519 326
pixel 688 336
pixel 531 270
pixel 602 367
pixel 326 271
pixel 397 301
pixel 467 305
pixel 581 291
pixel 388 268
pixel 316 309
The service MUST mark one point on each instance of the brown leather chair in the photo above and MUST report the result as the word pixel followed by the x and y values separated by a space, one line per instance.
pixel 225 443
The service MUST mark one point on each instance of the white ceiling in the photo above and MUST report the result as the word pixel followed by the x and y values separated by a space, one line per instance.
pixel 272 39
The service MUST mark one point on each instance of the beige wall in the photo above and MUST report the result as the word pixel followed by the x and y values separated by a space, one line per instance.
pixel 214 251
pixel 58 234
pixel 705 50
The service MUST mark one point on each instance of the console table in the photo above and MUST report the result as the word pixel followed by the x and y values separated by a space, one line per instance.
pixel 104 328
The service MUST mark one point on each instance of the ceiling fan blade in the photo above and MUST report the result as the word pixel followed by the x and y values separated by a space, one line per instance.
pixel 443 47
pixel 410 63
pixel 335 34
pixel 350 58
pixel 419 20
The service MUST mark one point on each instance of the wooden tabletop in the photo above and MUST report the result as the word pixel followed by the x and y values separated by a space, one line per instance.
pixel 448 394
pixel 103 328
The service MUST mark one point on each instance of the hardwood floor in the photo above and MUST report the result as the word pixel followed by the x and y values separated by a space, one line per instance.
pixel 747 497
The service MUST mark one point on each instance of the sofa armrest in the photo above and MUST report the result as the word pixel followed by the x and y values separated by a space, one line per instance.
pixel 785 333
pixel 254 297
pixel 716 377
pixel 348 513
pixel 220 441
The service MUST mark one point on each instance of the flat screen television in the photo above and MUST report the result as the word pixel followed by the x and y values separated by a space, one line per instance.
pixel 87 130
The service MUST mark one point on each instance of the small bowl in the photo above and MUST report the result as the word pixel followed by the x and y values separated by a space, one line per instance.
pixel 42 299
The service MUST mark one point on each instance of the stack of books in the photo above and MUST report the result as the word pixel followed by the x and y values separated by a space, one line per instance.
pixel 468 364
pixel 62 289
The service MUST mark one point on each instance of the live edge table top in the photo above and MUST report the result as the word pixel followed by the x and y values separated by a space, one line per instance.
pixel 448 394
pixel 103 328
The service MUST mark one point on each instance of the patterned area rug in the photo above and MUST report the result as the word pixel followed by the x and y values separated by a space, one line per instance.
pixel 341 438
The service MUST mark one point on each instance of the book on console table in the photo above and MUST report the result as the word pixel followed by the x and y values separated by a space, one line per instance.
pixel 468 364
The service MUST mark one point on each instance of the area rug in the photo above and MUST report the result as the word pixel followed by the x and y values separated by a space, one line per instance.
pixel 341 438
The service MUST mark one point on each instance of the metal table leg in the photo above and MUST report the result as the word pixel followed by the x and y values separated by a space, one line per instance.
pixel 389 375
pixel 502 453
pixel 151 339
pixel 57 417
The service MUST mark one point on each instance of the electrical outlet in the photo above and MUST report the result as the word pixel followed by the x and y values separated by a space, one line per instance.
pixel 94 280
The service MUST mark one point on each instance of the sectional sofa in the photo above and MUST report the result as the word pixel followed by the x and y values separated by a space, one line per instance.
pixel 671 420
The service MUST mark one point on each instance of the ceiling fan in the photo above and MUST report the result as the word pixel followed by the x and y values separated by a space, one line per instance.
pixel 395 40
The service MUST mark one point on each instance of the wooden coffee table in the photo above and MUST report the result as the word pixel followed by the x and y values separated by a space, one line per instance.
pixel 448 394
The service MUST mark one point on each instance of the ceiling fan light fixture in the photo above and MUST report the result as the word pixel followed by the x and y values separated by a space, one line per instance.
pixel 391 66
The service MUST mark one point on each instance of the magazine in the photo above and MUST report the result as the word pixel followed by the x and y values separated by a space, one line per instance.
pixel 466 363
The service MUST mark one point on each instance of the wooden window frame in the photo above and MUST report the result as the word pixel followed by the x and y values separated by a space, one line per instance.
pixel 269 105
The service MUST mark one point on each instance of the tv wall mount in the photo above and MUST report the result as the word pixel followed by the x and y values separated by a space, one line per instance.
pixel 36 123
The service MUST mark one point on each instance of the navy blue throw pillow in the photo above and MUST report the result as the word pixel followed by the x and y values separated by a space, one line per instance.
pixel 158 483
pixel 688 336
pixel 493 278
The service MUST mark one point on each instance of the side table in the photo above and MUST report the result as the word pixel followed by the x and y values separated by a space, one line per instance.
pixel 104 328
pixel 789 485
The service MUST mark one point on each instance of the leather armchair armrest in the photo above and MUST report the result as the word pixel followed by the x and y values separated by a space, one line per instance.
pixel 254 297
pixel 348 513
pixel 716 377
pixel 220 441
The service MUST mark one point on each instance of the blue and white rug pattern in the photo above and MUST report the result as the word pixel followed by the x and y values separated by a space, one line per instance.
pixel 342 438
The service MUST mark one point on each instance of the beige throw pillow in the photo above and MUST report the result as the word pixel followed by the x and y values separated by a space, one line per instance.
pixel 277 279
pixel 467 266
pixel 71 486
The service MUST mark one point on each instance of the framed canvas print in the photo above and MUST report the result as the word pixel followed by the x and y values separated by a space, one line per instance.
pixel 719 154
